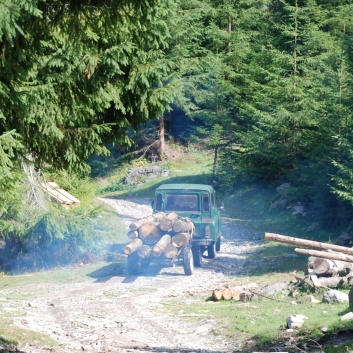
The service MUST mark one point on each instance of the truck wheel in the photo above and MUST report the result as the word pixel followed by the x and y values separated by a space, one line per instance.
pixel 188 261
pixel 197 255
pixel 133 264
pixel 211 250
pixel 218 243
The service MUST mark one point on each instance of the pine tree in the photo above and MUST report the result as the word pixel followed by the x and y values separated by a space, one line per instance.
pixel 76 75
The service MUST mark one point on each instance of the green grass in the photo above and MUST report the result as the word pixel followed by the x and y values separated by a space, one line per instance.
pixel 10 334
pixel 190 168
pixel 262 320
pixel 30 283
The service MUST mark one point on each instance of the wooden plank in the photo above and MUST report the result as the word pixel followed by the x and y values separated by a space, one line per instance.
pixel 58 194
pixel 314 278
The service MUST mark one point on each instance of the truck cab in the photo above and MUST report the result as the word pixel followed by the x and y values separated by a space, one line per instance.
pixel 198 203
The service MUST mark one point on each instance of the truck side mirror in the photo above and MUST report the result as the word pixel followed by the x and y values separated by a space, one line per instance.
pixel 221 206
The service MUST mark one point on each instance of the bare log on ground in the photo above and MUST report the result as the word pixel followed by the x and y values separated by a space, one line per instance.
pixel 323 266
pixel 161 245
pixel 246 296
pixel 170 251
pixel 133 234
pixel 136 225
pixel 180 239
pixel 236 294
pixel 149 233
pixel 166 223
pixel 332 282
pixel 132 246
pixel 217 294
pixel 242 292
pixel 326 254
pixel 144 251
pixel 227 294
pixel 183 225
pixel 307 243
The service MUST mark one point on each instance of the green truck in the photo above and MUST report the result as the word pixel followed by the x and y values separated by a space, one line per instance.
pixel 198 203
pixel 195 203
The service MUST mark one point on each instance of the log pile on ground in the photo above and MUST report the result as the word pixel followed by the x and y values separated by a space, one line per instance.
pixel 159 235
pixel 330 266
pixel 242 293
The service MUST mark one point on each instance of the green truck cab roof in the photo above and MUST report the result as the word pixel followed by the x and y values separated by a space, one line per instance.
pixel 191 187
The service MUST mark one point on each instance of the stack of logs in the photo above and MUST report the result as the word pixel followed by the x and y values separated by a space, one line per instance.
pixel 331 266
pixel 159 235
pixel 242 293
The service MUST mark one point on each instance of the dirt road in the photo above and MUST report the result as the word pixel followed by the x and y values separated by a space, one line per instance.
pixel 120 313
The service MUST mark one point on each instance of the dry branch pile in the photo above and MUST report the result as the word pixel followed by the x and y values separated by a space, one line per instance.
pixel 159 235
pixel 331 268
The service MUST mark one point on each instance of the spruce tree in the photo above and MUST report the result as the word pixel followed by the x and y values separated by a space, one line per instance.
pixel 76 75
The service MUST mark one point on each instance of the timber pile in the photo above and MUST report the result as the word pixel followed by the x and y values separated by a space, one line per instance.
pixel 242 293
pixel 159 235
pixel 329 266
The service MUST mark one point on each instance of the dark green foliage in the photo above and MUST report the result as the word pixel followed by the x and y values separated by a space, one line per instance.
pixel 76 75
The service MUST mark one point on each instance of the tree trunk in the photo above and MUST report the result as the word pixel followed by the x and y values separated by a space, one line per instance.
pixel 332 282
pixel 326 254
pixel 133 234
pixel 307 243
pixel 236 294
pixel 182 225
pixel 180 239
pixel 323 266
pixel 166 224
pixel 144 251
pixel 170 251
pixel 158 216
pixel 227 294
pixel 161 245
pixel 161 136
pixel 245 296
pixel 217 294
pixel 132 246
pixel 350 297
pixel 149 233
pixel 136 225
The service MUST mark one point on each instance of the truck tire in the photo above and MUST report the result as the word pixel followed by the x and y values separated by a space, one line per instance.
pixel 133 264
pixel 197 255
pixel 218 243
pixel 211 251
pixel 188 261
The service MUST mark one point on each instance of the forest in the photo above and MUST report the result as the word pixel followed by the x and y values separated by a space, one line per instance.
pixel 266 85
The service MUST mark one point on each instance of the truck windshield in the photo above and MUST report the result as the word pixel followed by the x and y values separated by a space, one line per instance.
pixel 182 202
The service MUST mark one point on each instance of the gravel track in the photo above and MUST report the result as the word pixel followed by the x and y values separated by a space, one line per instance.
pixel 120 313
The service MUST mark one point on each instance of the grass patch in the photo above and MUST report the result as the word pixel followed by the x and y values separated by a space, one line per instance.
pixel 20 335
pixel 189 167
pixel 262 321
pixel 65 275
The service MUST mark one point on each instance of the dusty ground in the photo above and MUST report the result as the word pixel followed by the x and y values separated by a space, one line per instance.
pixel 120 313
